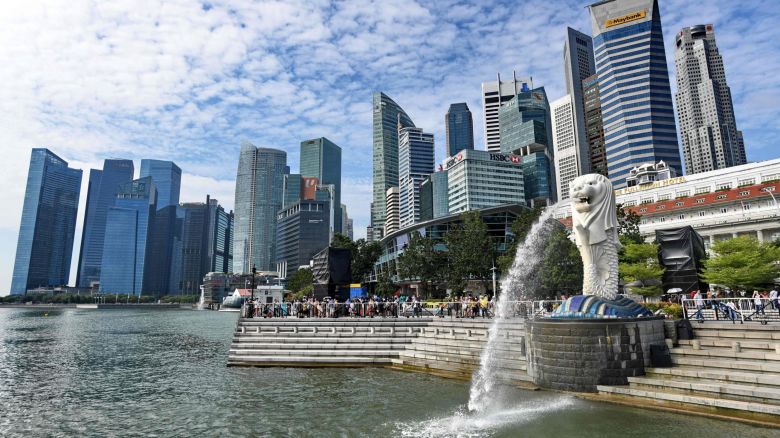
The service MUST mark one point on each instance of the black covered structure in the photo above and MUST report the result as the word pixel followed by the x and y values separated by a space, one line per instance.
pixel 681 252
pixel 332 273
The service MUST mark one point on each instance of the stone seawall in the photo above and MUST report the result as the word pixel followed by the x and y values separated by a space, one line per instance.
pixel 580 355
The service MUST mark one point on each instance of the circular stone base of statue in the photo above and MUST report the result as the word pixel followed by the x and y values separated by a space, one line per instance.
pixel 578 355
pixel 591 306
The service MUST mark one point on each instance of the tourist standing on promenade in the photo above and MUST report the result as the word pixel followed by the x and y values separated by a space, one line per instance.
pixel 697 298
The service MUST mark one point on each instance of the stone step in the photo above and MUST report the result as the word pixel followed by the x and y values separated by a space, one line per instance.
pixel 269 335
pixel 761 408
pixel 715 374
pixel 474 362
pixel 462 370
pixel 314 353
pixel 318 346
pixel 479 345
pixel 715 352
pixel 337 322
pixel 463 351
pixel 747 326
pixel 731 364
pixel 728 343
pixel 743 392
pixel 284 340
pixel 748 334
pixel 331 329
pixel 305 361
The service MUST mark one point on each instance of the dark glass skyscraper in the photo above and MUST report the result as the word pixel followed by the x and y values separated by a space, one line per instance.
pixel 321 158
pixel 165 244
pixel 103 187
pixel 302 232
pixel 636 100
pixel 578 64
pixel 459 128
pixel 45 244
pixel 129 226
pixel 388 118
pixel 259 195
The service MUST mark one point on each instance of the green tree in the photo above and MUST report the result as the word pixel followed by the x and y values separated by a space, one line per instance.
pixel 628 222
pixel 639 262
pixel 421 261
pixel 385 285
pixel 562 265
pixel 299 280
pixel 520 228
pixel 743 263
pixel 470 251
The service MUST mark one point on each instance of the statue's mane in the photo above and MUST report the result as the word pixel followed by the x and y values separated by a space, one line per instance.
pixel 603 216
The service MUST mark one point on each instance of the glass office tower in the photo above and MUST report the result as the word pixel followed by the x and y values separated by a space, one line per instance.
pixel 388 117
pixel 459 126
pixel 101 193
pixel 636 100
pixel 45 244
pixel 415 163
pixel 129 226
pixel 167 179
pixel 321 159
pixel 259 197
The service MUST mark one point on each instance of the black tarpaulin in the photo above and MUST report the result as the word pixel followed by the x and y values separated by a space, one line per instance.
pixel 680 252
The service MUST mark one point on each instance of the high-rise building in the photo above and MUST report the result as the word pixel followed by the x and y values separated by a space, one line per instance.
pixel 167 179
pixel 705 111
pixel 45 244
pixel 578 64
pixel 565 138
pixel 415 163
pixel 392 220
pixel 101 193
pixel 636 100
pixel 165 245
pixel 259 194
pixel 129 228
pixel 344 219
pixel 479 179
pixel 494 94
pixel 327 193
pixel 302 232
pixel 434 201
pixel 321 158
pixel 388 117
pixel 293 187
pixel 594 128
pixel 426 199
pixel 525 126
pixel 459 127
pixel 206 238
pixel 350 229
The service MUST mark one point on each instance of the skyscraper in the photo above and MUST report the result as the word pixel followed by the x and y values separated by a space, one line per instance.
pixel 206 236
pixel 459 127
pixel 167 179
pixel 415 163
pixel 708 128
pixel 594 126
pixel 302 232
pixel 392 222
pixel 525 126
pixel 388 117
pixel 321 158
pixel 101 193
pixel 494 94
pixel 165 244
pixel 129 227
pixel 636 99
pixel 578 64
pixel 259 193
pixel 45 244
pixel 565 138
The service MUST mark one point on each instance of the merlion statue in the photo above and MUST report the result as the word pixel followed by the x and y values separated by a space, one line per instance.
pixel 595 228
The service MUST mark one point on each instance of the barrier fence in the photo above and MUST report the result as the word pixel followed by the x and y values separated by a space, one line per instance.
pixel 395 309
pixel 735 310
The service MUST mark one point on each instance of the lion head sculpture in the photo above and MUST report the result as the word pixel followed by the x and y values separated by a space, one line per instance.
pixel 593 206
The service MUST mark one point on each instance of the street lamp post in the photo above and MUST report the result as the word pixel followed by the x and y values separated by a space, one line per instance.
pixel 493 269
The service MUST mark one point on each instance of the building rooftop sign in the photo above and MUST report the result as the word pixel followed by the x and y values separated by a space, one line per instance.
pixel 638 15
pixel 655 185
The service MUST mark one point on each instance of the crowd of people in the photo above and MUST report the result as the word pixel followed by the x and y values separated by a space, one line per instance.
pixel 734 306
pixel 463 306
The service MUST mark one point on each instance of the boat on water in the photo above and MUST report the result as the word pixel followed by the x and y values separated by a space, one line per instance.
pixel 234 301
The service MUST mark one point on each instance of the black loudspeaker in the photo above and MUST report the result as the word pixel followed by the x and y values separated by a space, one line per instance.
pixel 660 356
pixel 684 329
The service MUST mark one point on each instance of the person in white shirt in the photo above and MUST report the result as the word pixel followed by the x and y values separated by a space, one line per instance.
pixel 773 299
pixel 697 298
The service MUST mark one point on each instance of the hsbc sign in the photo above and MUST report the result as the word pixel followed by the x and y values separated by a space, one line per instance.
pixel 514 159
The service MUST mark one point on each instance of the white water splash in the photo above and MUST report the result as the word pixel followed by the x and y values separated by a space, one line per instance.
pixel 472 424
pixel 202 301
pixel 517 285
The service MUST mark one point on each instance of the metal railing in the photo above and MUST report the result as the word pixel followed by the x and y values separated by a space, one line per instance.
pixel 732 310
pixel 395 309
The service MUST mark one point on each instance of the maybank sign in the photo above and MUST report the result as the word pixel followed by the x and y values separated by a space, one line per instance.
pixel 625 18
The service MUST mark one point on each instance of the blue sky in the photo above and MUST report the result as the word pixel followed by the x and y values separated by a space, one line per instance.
pixel 188 80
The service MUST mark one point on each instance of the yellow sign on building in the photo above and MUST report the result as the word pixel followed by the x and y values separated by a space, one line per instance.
pixel 625 18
